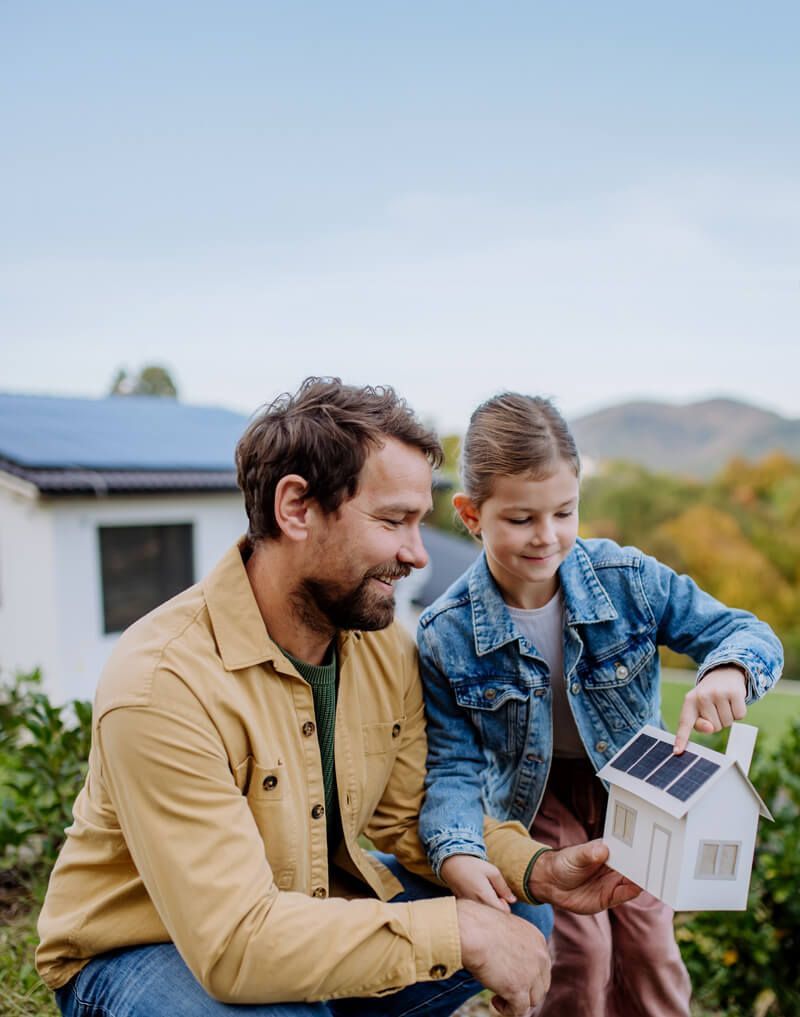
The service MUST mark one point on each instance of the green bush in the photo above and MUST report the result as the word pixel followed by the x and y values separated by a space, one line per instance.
pixel 43 755
pixel 745 963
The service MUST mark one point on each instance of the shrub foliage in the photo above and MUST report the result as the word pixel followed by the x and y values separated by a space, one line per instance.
pixel 44 750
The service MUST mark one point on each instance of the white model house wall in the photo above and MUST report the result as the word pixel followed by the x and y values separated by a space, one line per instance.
pixel 727 814
pixel 52 572
pixel 634 860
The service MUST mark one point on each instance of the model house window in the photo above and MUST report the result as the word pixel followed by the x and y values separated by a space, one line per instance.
pixel 141 567
pixel 624 823
pixel 716 860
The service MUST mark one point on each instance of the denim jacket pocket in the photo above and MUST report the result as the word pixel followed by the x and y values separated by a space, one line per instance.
pixel 619 684
pixel 498 709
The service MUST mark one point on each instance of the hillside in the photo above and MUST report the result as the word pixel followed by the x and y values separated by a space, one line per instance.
pixel 695 439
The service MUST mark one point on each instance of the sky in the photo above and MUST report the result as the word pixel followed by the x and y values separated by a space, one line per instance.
pixel 595 202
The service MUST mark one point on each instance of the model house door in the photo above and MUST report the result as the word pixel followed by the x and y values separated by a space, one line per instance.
pixel 657 862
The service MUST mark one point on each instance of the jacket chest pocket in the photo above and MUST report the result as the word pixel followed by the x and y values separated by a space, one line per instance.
pixel 622 685
pixel 498 710
pixel 380 741
pixel 271 805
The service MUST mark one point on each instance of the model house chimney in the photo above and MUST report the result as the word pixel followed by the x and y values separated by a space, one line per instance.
pixel 741 742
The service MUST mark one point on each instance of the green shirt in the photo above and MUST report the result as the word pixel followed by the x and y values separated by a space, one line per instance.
pixel 323 681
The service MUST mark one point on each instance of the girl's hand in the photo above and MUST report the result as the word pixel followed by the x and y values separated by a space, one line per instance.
pixel 472 878
pixel 715 702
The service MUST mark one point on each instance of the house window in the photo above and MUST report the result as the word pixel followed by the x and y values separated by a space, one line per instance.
pixel 141 567
pixel 717 860
pixel 624 823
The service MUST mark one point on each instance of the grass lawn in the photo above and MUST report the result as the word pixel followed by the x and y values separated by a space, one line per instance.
pixel 22 994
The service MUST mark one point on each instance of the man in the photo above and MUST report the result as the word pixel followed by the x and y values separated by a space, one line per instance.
pixel 249 731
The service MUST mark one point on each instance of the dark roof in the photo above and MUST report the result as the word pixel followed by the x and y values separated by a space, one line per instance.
pixel 121 444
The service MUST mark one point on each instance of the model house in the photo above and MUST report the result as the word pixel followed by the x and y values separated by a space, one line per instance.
pixel 684 826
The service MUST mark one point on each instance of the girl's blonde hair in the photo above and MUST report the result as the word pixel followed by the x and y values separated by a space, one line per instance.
pixel 512 434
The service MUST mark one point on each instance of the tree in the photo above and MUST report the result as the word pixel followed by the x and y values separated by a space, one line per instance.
pixel 151 380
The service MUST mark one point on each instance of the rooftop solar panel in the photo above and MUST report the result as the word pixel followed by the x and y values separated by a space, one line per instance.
pixel 633 752
pixel 650 760
pixel 671 769
pixel 693 779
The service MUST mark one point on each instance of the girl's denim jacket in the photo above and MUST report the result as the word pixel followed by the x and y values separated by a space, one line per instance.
pixel 488 692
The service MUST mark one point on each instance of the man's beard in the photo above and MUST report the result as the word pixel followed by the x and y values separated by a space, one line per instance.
pixel 360 608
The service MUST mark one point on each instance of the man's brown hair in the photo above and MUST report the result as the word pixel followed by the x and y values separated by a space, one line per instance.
pixel 324 433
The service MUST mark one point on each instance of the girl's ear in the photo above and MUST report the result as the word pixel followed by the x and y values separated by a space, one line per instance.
pixel 291 507
pixel 470 516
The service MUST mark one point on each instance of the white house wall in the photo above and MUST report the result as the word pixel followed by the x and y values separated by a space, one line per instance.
pixel 217 519
pixel 727 813
pixel 28 604
pixel 632 860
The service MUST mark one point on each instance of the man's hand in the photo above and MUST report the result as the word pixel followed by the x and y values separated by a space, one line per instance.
pixel 715 702
pixel 472 878
pixel 577 879
pixel 506 954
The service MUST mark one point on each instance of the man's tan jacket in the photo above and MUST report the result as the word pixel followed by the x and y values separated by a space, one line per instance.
pixel 202 822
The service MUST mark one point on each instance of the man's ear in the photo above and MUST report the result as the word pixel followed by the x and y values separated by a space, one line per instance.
pixel 470 516
pixel 291 507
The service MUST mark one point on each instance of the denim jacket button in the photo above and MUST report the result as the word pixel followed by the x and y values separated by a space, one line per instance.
pixel 575 688
pixel 490 693
pixel 621 671
pixel 601 746
pixel 539 692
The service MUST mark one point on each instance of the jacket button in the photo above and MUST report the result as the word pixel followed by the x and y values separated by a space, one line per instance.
pixel 308 728
pixel 269 782
pixel 320 891
pixel 317 811
pixel 601 746
pixel 575 688
pixel 395 730
pixel 540 692
pixel 488 694
pixel 438 971
pixel 621 671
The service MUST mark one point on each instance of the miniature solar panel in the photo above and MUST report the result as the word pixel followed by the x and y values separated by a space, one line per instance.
pixel 671 769
pixel 633 752
pixel 650 760
pixel 693 779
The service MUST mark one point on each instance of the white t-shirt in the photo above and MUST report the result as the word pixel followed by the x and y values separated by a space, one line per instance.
pixel 543 627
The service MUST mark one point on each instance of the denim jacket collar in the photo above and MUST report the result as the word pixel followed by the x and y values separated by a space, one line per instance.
pixel 585 600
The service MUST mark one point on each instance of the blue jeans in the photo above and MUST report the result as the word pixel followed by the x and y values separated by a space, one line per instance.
pixel 153 981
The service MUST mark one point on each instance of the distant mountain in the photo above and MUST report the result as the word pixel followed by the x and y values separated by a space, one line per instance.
pixel 695 439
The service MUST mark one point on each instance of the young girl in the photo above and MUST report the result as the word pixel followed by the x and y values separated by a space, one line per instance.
pixel 539 663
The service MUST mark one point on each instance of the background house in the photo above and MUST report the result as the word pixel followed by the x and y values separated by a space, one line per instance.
pixel 107 508
pixel 110 506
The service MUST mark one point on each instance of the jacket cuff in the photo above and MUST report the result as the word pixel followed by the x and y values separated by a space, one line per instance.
pixel 512 850
pixel 437 941
pixel 759 677
pixel 456 841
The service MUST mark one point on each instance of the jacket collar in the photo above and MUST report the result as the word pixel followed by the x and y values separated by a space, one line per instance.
pixel 585 600
pixel 239 629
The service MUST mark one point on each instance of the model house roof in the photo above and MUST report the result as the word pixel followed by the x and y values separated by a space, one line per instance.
pixel 131 444
pixel 647 766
